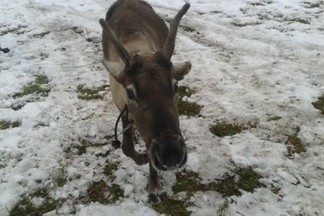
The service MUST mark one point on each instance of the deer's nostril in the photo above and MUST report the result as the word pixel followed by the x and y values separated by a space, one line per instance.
pixel 169 152
pixel 170 159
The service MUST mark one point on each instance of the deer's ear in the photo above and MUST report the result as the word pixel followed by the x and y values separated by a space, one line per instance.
pixel 116 70
pixel 180 69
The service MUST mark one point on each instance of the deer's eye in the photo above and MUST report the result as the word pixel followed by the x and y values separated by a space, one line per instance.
pixel 130 94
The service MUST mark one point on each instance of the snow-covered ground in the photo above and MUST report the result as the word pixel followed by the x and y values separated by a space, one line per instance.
pixel 254 62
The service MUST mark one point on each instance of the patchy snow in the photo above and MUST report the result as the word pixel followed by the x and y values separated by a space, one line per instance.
pixel 252 61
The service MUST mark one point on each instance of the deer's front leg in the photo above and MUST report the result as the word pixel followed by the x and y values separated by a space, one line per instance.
pixel 155 188
pixel 128 144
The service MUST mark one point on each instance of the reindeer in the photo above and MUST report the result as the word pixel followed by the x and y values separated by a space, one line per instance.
pixel 137 48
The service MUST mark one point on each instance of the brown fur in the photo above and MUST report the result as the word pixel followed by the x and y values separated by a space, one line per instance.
pixel 145 85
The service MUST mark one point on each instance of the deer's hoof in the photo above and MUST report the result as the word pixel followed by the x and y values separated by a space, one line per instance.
pixel 157 197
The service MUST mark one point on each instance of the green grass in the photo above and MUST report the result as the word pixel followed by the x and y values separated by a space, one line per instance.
pixel 77 30
pixel 81 149
pixel 103 193
pixel 224 129
pixel 319 104
pixel 41 35
pixel 18 106
pixel 185 107
pixel 243 178
pixel 9 124
pixel 226 186
pixel 185 91
pixel 296 19
pixel 110 168
pixel 61 181
pixel 35 87
pixel 275 190
pixel 115 193
pixel 275 118
pixel 172 207
pixel 84 143
pixel 41 124
pixel 26 207
pixel 91 94
pixel 188 108
pixel 44 56
pixel 187 28
pixel 244 24
pixel 257 3
pixel 31 89
pixel 98 192
pixel 294 145
pixel 16 30
pixel 103 154
pixel 222 209
pixel 190 183
pixel 248 179
pixel 2 165
pixel 312 4
pixel 41 79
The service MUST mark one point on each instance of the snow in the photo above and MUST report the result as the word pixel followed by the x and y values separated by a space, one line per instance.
pixel 251 61
pixel 127 208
